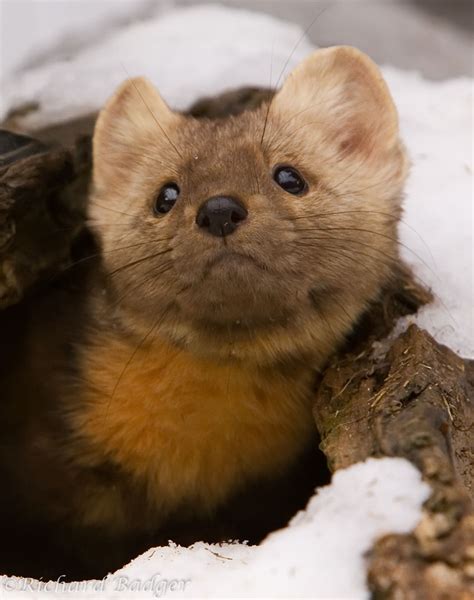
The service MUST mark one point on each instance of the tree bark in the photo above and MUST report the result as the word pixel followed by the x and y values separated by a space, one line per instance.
pixel 414 400
pixel 42 210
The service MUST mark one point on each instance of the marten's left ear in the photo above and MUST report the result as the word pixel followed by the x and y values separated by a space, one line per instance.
pixel 341 93
pixel 133 120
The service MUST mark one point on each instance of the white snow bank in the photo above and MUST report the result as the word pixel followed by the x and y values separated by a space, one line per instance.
pixel 319 555
pixel 436 124
pixel 54 28
pixel 206 49
pixel 187 53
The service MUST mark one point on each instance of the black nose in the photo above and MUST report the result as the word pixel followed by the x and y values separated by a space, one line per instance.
pixel 221 215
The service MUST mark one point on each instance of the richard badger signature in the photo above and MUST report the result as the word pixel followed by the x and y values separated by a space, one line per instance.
pixel 157 585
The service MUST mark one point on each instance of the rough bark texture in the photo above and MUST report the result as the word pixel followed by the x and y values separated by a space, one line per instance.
pixel 414 399
pixel 42 207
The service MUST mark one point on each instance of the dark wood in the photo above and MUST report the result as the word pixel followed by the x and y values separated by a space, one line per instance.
pixel 416 401
pixel 43 193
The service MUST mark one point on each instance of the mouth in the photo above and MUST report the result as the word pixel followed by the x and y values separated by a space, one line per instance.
pixel 233 287
pixel 229 258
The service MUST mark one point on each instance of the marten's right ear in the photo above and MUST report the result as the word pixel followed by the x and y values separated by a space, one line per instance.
pixel 340 91
pixel 133 122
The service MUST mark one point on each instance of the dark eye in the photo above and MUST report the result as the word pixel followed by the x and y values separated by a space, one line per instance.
pixel 290 180
pixel 166 199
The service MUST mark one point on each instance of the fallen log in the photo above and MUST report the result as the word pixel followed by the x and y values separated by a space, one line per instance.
pixel 414 401
pixel 42 210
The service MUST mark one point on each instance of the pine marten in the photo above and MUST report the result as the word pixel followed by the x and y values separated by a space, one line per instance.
pixel 236 253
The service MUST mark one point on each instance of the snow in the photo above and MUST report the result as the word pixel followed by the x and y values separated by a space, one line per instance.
pixel 204 50
pixel 438 224
pixel 320 554
pixel 57 28
pixel 187 53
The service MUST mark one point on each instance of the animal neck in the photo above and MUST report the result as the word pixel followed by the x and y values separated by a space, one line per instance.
pixel 191 429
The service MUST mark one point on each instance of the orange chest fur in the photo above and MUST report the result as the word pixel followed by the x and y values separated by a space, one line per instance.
pixel 191 430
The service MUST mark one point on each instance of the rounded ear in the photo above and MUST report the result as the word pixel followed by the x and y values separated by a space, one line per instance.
pixel 341 91
pixel 135 114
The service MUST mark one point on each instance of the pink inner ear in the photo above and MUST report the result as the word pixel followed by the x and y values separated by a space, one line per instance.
pixel 352 141
pixel 356 138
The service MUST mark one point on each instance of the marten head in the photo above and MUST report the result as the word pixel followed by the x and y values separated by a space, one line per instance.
pixel 260 236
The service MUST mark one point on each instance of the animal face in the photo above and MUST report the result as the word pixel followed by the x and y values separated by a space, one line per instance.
pixel 260 236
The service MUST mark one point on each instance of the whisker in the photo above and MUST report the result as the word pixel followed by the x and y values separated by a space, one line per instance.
pixel 137 262
pixel 98 254
pixel 303 35
pixel 342 212
pixel 294 116
pixel 392 261
pixel 364 211
pixel 129 361
pixel 254 168
pixel 152 114
pixel 315 216
pixel 380 234
pixel 143 153
pixel 142 281
pixel 384 259
pixel 119 212
pixel 351 241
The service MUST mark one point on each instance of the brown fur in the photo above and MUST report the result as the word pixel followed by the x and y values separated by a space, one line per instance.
pixel 216 319
pixel 197 360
